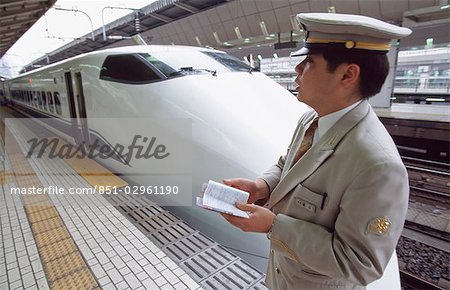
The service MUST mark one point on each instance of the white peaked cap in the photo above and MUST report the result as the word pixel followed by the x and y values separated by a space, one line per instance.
pixel 329 31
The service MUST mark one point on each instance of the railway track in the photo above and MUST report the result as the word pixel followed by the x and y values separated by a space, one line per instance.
pixel 435 233
pixel 422 266
pixel 429 181
pixel 412 282
pixel 429 188
pixel 426 164
pixel 429 185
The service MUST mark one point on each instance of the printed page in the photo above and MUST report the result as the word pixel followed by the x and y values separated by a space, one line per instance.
pixel 220 197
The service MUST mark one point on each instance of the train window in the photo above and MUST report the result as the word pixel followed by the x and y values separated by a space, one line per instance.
pixel 57 103
pixel 230 62
pixel 44 101
pixel 29 98
pixel 35 100
pixel 161 66
pixel 128 68
pixel 50 102
pixel 39 99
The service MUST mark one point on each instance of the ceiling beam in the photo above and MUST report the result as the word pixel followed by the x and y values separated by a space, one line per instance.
pixel 186 7
pixel 9 24
pixel 160 17
pixel 18 12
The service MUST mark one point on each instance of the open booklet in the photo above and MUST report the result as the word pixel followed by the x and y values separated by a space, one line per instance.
pixel 221 198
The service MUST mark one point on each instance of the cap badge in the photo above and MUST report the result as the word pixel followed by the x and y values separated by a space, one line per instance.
pixel 350 44
pixel 378 226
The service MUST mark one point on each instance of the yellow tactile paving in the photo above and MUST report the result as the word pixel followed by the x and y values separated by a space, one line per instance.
pixel 63 264
pixel 46 225
pixel 83 280
pixel 6 177
pixel 58 250
pixel 36 200
pixel 42 215
pixel 52 236
pixel 36 207
pixel 94 173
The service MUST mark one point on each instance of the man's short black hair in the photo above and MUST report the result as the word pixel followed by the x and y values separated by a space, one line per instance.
pixel 374 68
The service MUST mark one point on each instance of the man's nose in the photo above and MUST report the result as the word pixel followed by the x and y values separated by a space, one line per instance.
pixel 299 69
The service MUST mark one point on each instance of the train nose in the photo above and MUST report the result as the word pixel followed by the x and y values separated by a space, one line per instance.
pixel 253 116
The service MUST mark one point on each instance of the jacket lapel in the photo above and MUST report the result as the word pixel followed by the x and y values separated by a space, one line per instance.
pixel 317 155
pixel 300 131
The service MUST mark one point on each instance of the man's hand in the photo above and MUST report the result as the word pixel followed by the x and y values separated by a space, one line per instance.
pixel 260 220
pixel 258 189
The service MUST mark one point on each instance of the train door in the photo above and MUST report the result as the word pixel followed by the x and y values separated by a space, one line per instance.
pixel 82 108
pixel 72 109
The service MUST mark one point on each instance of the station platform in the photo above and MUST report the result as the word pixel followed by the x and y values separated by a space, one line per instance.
pixel 61 240
pixel 435 113
pixel 432 217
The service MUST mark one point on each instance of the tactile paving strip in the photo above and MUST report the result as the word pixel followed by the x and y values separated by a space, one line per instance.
pixel 237 275
pixel 63 264
pixel 208 263
pixel 188 246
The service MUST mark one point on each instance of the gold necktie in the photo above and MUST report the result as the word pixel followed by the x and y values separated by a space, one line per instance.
pixel 307 140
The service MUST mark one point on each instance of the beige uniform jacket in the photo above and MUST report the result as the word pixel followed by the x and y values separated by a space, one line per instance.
pixel 340 209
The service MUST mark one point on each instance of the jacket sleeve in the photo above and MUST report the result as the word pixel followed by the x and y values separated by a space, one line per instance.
pixel 273 175
pixel 368 226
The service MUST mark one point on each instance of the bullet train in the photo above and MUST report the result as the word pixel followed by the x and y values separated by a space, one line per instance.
pixel 230 121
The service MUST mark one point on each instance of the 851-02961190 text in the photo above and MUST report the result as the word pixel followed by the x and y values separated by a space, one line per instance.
pixel 139 189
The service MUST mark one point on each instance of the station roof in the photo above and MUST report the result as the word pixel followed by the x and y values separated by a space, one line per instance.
pixel 16 17
pixel 151 16
pixel 241 24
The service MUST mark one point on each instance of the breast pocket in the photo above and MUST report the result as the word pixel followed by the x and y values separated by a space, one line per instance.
pixel 309 200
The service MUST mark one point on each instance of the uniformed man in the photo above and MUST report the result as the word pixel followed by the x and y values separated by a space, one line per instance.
pixel 335 204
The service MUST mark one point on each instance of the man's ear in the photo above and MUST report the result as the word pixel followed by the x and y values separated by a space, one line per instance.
pixel 350 74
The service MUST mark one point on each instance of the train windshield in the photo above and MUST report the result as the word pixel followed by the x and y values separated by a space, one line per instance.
pixel 231 62
pixel 161 66
pixel 201 62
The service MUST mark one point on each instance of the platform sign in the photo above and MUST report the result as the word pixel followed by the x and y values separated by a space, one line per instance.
pixel 383 98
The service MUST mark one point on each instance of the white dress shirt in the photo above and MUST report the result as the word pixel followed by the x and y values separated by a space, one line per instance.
pixel 327 121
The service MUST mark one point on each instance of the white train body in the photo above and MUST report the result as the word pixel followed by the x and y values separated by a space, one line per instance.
pixel 241 120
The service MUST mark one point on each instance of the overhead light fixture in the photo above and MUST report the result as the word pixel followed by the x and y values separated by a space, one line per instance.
pixel 216 37
pixel 443 4
pixel 198 41
pixel 238 33
pixel 263 27
pixel 247 40
pixel 434 100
